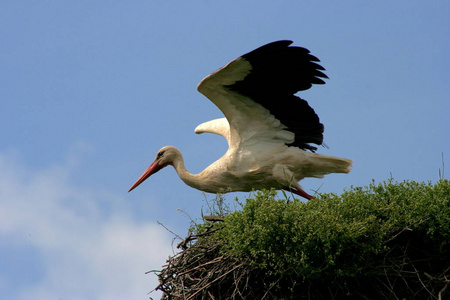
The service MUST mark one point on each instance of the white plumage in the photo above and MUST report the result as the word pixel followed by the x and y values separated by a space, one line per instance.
pixel 269 130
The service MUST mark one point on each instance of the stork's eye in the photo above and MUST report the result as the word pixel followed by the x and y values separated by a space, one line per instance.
pixel 160 154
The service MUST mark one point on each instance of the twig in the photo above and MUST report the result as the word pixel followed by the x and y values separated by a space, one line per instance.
pixel 209 284
pixel 213 218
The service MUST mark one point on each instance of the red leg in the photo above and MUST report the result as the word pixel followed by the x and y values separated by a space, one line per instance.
pixel 299 192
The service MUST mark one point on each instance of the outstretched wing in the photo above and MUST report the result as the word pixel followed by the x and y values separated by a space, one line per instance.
pixel 256 93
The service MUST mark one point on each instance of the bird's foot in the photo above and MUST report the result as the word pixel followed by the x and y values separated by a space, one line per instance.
pixel 299 192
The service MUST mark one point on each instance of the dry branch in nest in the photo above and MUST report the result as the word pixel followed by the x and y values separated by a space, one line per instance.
pixel 201 271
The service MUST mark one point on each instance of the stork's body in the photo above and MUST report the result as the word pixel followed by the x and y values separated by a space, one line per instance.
pixel 269 130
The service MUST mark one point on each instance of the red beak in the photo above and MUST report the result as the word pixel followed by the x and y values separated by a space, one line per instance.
pixel 152 169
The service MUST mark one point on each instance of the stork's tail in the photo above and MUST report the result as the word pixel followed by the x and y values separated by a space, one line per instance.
pixel 326 164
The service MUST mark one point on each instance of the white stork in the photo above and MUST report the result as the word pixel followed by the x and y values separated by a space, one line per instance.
pixel 269 130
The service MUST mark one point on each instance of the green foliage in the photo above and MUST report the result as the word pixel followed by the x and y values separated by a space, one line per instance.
pixel 384 241
pixel 337 236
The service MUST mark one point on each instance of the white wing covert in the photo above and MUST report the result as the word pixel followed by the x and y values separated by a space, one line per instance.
pixel 217 126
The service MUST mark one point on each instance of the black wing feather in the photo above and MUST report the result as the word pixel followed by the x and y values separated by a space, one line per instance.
pixel 278 72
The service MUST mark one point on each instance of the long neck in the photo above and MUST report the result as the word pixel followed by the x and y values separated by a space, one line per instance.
pixel 193 180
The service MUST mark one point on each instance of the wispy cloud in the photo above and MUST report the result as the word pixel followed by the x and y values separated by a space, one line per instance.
pixel 84 250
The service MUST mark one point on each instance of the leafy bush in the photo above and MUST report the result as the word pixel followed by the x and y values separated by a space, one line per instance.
pixel 336 235
pixel 384 241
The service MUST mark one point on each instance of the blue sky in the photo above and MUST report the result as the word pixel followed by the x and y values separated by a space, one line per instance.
pixel 92 89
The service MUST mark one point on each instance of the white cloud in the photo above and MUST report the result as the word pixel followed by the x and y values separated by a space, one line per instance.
pixel 85 250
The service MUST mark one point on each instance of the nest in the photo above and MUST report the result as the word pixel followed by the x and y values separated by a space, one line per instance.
pixel 386 241
pixel 202 271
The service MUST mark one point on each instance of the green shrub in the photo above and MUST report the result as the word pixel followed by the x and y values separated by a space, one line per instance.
pixel 335 235
pixel 384 241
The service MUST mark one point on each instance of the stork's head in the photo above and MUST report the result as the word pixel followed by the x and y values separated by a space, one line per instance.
pixel 166 156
